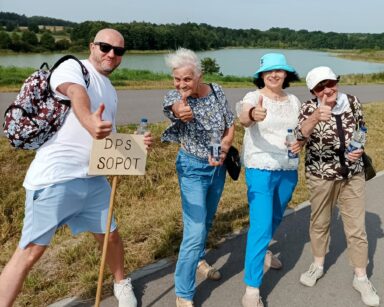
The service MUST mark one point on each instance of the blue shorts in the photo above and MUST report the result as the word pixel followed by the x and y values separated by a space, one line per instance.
pixel 82 204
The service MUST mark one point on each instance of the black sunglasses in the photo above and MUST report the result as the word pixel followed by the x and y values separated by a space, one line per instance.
pixel 105 47
pixel 326 83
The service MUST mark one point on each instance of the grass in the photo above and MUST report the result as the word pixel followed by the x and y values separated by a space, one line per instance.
pixel 376 56
pixel 11 79
pixel 148 212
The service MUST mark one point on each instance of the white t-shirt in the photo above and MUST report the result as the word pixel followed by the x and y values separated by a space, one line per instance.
pixel 264 142
pixel 66 155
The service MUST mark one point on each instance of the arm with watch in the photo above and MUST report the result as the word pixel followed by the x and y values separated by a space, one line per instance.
pixel 251 114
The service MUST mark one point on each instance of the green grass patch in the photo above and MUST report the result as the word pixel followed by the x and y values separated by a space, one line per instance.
pixel 148 212
pixel 369 55
pixel 11 79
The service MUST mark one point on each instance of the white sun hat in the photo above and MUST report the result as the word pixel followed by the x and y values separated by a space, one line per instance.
pixel 318 74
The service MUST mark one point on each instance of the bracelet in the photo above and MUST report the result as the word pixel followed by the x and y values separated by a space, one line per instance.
pixel 250 114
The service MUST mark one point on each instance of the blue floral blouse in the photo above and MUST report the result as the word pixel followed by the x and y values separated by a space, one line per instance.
pixel 209 114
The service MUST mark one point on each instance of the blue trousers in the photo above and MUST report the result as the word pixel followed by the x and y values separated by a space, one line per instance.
pixel 201 186
pixel 269 193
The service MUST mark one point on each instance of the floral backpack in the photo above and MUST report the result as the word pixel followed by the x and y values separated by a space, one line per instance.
pixel 37 114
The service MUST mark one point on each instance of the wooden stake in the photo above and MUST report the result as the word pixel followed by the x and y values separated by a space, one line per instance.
pixel 105 244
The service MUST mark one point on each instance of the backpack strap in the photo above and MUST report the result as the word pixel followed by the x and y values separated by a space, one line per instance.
pixel 84 70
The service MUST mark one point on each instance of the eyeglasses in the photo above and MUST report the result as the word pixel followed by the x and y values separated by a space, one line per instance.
pixel 105 47
pixel 323 84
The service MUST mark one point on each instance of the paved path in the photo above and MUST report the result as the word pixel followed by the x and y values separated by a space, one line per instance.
pixel 280 288
pixel 134 104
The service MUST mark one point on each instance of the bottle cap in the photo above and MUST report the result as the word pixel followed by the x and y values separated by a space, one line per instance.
pixel 289 130
pixel 144 120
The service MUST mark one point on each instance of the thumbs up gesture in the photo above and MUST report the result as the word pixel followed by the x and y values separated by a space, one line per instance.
pixel 182 110
pixel 98 127
pixel 324 110
pixel 258 113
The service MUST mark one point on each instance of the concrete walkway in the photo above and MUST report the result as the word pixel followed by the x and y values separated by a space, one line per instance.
pixel 154 284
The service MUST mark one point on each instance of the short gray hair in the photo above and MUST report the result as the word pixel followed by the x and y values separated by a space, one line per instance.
pixel 184 57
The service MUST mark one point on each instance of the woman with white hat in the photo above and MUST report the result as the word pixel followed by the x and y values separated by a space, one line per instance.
pixel 327 123
pixel 271 177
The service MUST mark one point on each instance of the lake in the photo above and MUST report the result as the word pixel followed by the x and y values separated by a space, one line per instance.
pixel 237 61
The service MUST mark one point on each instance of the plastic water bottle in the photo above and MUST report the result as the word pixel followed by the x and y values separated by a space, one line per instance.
pixel 215 146
pixel 143 126
pixel 358 139
pixel 293 158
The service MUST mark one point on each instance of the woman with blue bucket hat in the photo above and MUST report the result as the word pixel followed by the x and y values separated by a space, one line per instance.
pixel 271 177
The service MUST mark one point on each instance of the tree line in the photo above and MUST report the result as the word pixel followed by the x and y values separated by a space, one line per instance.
pixel 149 36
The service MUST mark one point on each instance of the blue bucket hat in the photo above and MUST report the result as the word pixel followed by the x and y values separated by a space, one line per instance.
pixel 273 61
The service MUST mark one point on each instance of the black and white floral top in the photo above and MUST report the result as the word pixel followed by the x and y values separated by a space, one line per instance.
pixel 323 145
pixel 209 114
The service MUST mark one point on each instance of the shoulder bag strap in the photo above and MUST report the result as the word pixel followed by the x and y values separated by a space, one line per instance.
pixel 352 106
pixel 213 91
pixel 341 152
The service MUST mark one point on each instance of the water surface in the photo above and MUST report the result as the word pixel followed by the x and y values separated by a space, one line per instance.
pixel 238 62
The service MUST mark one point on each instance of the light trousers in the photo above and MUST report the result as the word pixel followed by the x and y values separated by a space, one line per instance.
pixel 349 194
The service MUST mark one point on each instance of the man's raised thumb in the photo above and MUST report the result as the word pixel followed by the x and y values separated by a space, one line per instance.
pixel 100 110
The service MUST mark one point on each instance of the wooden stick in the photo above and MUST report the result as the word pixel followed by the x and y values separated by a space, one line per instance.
pixel 105 244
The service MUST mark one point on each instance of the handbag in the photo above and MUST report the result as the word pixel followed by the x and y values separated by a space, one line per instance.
pixel 232 162
pixel 369 170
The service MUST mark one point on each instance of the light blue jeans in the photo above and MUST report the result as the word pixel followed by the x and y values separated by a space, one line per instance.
pixel 201 186
pixel 269 193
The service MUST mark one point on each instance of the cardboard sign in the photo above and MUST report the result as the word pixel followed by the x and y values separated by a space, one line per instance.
pixel 118 154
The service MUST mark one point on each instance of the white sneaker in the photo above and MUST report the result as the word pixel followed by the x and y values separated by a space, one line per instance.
pixel 123 291
pixel 250 300
pixel 368 292
pixel 310 277
pixel 182 302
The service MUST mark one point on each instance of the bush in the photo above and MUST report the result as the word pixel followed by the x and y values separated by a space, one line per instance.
pixel 210 66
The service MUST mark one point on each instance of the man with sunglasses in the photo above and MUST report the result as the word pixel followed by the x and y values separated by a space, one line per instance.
pixel 326 124
pixel 58 189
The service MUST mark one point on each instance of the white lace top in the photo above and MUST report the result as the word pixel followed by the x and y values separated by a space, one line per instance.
pixel 264 142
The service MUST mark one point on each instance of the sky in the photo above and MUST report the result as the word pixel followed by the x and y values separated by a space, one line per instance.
pixel 342 16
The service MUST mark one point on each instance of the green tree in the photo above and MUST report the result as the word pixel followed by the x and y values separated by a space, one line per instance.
pixel 33 27
pixel 29 37
pixel 47 41
pixel 210 66
pixel 5 40
pixel 63 44
pixel 10 26
pixel 17 45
